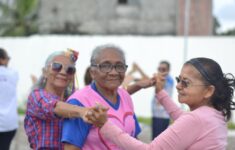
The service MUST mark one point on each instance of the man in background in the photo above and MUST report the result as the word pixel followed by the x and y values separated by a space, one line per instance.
pixel 160 118
pixel 8 102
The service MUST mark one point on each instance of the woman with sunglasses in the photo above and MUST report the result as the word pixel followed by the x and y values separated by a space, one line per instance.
pixel 46 107
pixel 107 69
pixel 209 94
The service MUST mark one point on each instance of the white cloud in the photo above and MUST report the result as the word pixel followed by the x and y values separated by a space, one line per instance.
pixel 219 4
pixel 224 11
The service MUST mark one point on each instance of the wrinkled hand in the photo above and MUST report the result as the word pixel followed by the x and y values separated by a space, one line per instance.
pixel 97 115
pixel 160 81
pixel 85 115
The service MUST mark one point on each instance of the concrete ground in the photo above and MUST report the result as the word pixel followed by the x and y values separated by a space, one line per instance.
pixel 20 140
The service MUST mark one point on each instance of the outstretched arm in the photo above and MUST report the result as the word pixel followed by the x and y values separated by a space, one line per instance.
pixel 170 139
pixel 44 106
pixel 138 85
pixel 66 110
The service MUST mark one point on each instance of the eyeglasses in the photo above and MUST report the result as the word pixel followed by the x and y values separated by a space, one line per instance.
pixel 70 70
pixel 107 67
pixel 186 84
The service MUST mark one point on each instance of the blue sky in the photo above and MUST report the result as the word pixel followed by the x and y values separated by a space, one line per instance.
pixel 224 10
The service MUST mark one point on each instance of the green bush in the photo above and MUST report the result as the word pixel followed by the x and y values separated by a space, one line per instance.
pixel 145 120
pixel 21 111
pixel 231 125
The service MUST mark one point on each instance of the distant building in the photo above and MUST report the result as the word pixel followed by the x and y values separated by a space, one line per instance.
pixel 136 17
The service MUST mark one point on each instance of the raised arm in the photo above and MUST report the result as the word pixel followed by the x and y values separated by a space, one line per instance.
pixel 138 69
pixel 143 82
pixel 138 85
pixel 172 109
pixel 163 97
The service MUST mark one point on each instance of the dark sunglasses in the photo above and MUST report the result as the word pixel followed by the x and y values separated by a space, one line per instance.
pixel 70 70
pixel 186 84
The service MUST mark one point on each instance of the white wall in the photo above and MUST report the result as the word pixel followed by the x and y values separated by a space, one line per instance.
pixel 28 56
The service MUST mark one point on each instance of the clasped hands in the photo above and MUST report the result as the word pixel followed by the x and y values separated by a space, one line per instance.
pixel 96 115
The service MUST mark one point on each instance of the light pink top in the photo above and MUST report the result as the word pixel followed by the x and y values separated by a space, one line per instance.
pixel 201 129
pixel 123 117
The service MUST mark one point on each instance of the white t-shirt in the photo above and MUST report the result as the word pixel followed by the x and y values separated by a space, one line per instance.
pixel 158 111
pixel 8 99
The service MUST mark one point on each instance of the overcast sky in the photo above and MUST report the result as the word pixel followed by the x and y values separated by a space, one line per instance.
pixel 224 10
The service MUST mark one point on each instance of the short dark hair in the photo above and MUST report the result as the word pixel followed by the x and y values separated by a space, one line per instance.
pixel 3 54
pixel 87 76
pixel 166 63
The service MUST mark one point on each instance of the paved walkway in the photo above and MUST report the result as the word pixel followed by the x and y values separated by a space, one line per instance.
pixel 20 141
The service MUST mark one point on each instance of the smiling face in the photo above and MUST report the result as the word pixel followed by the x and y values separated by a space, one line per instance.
pixel 196 93
pixel 58 80
pixel 108 81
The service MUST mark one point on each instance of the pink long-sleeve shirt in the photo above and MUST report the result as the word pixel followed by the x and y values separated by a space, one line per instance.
pixel 201 129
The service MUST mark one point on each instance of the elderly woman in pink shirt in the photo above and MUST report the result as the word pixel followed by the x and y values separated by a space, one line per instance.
pixel 209 94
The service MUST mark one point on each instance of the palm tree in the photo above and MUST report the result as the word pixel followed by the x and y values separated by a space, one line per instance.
pixel 18 18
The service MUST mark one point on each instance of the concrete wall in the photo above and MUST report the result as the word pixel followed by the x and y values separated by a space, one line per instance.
pixel 148 17
pixel 145 17
pixel 74 15
pixel 200 17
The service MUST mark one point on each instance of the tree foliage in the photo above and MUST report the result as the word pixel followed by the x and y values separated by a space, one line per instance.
pixel 18 18
pixel 230 32
pixel 216 25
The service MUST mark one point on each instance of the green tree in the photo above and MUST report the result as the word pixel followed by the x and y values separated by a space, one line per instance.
pixel 216 26
pixel 230 32
pixel 19 18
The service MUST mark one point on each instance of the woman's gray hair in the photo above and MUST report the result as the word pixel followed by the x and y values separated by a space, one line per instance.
pixel 99 49
pixel 52 56
pixel 42 80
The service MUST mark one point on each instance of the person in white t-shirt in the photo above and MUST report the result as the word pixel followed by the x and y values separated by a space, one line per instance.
pixel 8 101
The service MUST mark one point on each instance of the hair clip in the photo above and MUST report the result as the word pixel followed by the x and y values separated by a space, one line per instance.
pixel 72 54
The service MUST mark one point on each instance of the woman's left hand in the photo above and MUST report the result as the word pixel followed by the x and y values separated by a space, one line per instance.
pixel 97 115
